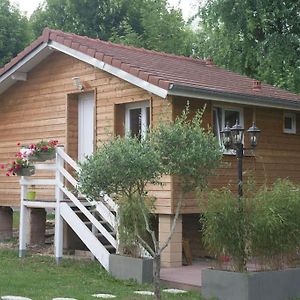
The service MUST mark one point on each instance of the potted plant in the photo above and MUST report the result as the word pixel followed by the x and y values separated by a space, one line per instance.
pixel 31 194
pixel 42 151
pixel 268 227
pixel 21 166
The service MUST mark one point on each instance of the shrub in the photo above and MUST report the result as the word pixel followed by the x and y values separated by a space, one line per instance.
pixel 275 224
pixel 264 225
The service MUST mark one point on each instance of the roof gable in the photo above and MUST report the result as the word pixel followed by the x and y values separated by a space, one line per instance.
pixel 159 73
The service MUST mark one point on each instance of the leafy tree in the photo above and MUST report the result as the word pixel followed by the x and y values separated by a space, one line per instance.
pixel 143 23
pixel 125 166
pixel 94 18
pixel 157 28
pixel 14 31
pixel 259 38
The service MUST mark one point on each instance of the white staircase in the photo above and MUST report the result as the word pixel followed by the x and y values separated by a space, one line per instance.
pixel 97 229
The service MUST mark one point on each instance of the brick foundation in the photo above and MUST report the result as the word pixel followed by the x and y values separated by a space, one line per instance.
pixel 36 226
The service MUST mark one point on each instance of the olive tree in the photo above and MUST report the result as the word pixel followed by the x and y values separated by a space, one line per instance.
pixel 125 166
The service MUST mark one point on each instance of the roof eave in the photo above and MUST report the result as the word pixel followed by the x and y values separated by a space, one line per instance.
pixel 217 95
pixel 156 90
pixel 24 65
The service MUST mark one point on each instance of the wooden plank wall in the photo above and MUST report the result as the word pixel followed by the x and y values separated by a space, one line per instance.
pixel 44 107
pixel 277 154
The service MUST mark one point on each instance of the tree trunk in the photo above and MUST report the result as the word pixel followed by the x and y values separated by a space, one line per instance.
pixel 156 277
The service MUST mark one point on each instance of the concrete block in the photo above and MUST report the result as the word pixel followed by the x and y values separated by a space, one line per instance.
pixel 6 223
pixel 268 285
pixel 125 267
pixel 36 226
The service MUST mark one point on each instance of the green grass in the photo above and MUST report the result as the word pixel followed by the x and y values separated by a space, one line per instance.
pixel 40 278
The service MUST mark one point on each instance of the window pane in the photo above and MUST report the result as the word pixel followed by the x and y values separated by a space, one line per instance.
pixel 288 123
pixel 135 122
pixel 217 115
pixel 148 117
pixel 230 117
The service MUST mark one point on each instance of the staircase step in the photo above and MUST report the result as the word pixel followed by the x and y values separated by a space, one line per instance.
pixel 99 234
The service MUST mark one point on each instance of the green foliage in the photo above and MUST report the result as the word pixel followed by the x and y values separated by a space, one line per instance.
pixel 226 226
pixel 142 23
pixel 123 166
pixel 275 231
pixel 256 38
pixel 132 222
pixel 187 150
pixel 15 33
pixel 266 223
pixel 94 18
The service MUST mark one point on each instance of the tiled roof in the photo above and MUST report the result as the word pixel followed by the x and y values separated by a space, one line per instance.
pixel 158 68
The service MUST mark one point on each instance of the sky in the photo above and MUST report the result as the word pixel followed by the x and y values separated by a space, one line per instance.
pixel 188 6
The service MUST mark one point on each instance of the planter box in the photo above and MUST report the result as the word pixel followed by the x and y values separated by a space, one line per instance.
pixel 268 285
pixel 125 267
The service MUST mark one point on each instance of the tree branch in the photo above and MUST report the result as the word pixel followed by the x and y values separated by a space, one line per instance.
pixel 145 245
pixel 179 205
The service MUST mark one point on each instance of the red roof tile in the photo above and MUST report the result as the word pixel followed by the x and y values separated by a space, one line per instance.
pixel 160 69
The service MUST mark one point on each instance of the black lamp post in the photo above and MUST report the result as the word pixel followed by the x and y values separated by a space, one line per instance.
pixel 233 138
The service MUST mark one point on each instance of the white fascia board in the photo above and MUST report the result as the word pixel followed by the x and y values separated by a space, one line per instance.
pixel 204 96
pixel 22 62
pixel 110 69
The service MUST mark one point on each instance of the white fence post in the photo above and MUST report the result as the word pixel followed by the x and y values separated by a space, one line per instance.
pixel 58 238
pixel 23 218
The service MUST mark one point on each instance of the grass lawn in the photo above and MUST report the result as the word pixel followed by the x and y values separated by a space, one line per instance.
pixel 40 278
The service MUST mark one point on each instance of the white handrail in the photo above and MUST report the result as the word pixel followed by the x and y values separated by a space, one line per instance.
pixel 67 158
pixel 89 216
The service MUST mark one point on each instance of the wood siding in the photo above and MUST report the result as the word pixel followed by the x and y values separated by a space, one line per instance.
pixel 277 154
pixel 45 107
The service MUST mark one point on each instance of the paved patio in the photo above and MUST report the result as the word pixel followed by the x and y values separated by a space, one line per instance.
pixel 185 277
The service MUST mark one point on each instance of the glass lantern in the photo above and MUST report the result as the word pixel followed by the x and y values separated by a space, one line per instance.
pixel 226 136
pixel 254 133
pixel 237 134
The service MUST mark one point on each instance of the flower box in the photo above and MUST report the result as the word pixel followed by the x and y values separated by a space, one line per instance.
pixel 267 285
pixel 126 267
pixel 28 171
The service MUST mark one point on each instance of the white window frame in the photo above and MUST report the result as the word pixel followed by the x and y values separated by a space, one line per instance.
pixel 137 105
pixel 222 125
pixel 294 124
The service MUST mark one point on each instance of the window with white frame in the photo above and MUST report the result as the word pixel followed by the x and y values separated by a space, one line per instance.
pixel 223 116
pixel 137 119
pixel 289 123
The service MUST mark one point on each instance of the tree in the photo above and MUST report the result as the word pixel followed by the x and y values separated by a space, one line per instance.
pixel 124 167
pixel 143 23
pixel 154 25
pixel 259 38
pixel 14 33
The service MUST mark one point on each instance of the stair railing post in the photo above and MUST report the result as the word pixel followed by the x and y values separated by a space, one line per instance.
pixel 23 218
pixel 58 239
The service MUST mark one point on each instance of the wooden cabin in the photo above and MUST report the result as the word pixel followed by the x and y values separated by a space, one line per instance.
pixel 80 91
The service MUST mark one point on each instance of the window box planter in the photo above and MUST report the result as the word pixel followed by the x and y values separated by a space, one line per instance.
pixel 42 156
pixel 267 285
pixel 26 171
pixel 125 267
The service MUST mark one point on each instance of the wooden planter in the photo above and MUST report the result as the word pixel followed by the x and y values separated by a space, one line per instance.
pixel 42 156
pixel 267 285
pixel 26 171
pixel 125 267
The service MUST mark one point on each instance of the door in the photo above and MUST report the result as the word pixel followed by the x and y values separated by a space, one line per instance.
pixel 86 123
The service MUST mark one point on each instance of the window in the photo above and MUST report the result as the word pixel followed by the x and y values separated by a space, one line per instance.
pixel 289 123
pixel 137 119
pixel 224 115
